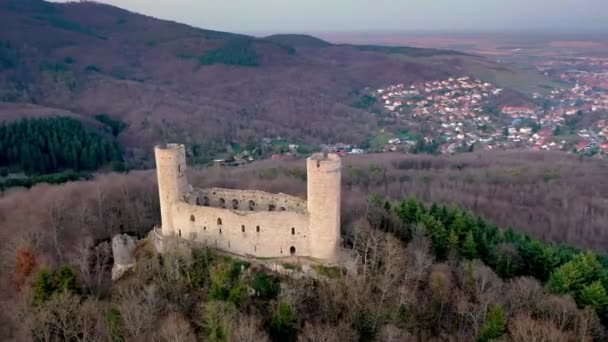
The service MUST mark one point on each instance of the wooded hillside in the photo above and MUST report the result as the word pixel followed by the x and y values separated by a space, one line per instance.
pixel 427 272
pixel 171 82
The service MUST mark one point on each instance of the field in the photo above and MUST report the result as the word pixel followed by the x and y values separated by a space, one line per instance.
pixel 500 74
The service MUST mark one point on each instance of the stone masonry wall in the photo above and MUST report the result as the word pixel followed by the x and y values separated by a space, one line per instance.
pixel 246 200
pixel 259 234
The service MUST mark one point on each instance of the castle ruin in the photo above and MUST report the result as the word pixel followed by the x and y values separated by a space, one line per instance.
pixel 248 222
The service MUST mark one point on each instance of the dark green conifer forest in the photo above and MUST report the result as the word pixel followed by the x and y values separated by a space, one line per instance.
pixel 48 145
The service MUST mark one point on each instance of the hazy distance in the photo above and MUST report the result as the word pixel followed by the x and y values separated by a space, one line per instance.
pixel 312 16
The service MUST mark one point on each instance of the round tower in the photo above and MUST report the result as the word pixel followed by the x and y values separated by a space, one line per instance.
pixel 324 176
pixel 172 182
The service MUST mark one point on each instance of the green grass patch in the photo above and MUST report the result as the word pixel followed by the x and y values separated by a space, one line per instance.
pixel 331 272
pixel 291 266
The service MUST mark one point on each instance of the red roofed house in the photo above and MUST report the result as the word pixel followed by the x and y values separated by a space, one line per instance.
pixel 582 145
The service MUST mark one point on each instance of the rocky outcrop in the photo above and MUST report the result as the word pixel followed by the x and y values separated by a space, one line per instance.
pixel 123 247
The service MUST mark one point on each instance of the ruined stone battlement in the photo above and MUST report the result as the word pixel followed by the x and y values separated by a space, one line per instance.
pixel 250 222
pixel 245 200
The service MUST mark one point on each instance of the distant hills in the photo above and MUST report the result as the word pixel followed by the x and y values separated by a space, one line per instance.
pixel 171 82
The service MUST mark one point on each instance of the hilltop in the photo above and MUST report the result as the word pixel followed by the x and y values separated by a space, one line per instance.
pixel 171 82
pixel 415 279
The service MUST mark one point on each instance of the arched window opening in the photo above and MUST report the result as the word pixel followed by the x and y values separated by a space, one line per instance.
pixel 235 204
pixel 179 231
pixel 205 201
pixel 271 207
pixel 282 209
pixel 251 205
pixel 243 228
pixel 292 250
pixel 192 218
pixel 222 203
pixel 293 231
pixel 179 168
pixel 257 229
pixel 219 221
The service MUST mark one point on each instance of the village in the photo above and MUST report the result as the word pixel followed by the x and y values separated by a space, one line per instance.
pixel 462 115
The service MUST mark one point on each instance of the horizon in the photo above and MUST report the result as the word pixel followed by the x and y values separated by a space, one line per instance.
pixel 470 17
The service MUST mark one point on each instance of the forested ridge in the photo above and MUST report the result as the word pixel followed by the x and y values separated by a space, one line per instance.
pixel 181 83
pixel 47 145
pixel 425 272
pixel 430 283
pixel 458 233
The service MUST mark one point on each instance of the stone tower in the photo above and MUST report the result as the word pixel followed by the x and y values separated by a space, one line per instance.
pixel 172 181
pixel 324 176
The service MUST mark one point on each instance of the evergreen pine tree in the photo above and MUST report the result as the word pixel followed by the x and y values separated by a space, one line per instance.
pixel 44 286
pixel 468 249
pixel 494 326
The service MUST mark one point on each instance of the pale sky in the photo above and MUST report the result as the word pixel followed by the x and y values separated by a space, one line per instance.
pixel 290 16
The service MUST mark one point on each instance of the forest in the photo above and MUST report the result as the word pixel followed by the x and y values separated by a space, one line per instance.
pixel 240 51
pixel 428 268
pixel 48 145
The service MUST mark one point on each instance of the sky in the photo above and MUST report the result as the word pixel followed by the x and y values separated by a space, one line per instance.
pixel 310 16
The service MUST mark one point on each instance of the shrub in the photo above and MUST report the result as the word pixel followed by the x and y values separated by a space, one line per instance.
pixel 47 283
pixel 267 287
pixel 24 266
pixel 283 324
pixel 220 281
pixel 115 326
pixel 197 273
pixel 65 280
pixel 43 286
pixel 364 324
pixel 218 321
pixel 237 293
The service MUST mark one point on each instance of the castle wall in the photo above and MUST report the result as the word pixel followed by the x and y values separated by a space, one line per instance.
pixel 250 222
pixel 246 200
pixel 274 238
